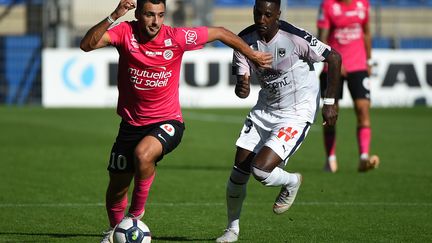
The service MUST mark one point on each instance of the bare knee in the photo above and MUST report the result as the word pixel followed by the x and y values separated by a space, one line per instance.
pixel 144 163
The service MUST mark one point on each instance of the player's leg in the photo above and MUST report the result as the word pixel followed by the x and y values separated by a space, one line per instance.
pixel 265 170
pixel 120 169
pixel 266 165
pixel 162 138
pixel 329 134
pixel 358 84
pixel 237 182
pixel 146 153
pixel 236 193
pixel 116 201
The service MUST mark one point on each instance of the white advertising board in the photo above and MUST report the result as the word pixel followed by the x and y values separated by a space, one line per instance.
pixel 72 78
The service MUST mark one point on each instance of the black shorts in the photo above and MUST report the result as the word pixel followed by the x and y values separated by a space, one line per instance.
pixel 358 85
pixel 169 133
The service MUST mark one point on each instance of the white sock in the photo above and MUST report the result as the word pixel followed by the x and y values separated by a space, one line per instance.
pixel 235 195
pixel 279 177
pixel 332 158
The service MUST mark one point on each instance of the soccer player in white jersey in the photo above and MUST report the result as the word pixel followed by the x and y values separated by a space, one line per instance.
pixel 150 55
pixel 287 105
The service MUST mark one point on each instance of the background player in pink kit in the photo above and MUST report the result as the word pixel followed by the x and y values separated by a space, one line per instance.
pixel 344 25
pixel 287 105
pixel 150 55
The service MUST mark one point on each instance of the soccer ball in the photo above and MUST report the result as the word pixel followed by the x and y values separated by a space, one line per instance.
pixel 131 231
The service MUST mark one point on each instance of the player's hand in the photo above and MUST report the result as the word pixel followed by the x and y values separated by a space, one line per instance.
pixel 242 88
pixel 343 72
pixel 123 7
pixel 330 114
pixel 263 59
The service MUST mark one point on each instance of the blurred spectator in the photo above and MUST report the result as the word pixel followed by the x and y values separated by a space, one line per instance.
pixel 203 12
pixel 179 14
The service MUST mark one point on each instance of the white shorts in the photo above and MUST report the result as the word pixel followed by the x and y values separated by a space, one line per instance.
pixel 283 135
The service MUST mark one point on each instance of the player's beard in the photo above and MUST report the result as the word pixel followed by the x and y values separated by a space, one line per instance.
pixel 152 31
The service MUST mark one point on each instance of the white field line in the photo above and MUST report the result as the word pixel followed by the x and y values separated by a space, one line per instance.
pixel 230 119
pixel 319 204
pixel 211 117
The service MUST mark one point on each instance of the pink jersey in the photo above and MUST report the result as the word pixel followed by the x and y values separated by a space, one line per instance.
pixel 148 73
pixel 345 22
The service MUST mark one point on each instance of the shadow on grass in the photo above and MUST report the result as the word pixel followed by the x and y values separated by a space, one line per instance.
pixel 179 239
pixel 194 167
pixel 64 236
pixel 53 235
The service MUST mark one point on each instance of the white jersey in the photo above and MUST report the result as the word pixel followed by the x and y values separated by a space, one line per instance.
pixel 291 87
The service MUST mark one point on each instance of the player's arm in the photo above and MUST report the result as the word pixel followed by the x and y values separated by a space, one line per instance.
pixel 329 110
pixel 260 59
pixel 97 36
pixel 367 35
pixel 242 88
pixel 323 35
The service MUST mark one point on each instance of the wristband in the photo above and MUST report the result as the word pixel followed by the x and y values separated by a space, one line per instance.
pixel 329 101
pixel 110 20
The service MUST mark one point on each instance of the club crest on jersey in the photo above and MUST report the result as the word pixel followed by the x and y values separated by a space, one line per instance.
pixel 169 129
pixel 191 37
pixel 282 52
pixel 168 54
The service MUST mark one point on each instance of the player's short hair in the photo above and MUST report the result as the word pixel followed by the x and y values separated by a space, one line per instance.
pixel 140 3
pixel 278 2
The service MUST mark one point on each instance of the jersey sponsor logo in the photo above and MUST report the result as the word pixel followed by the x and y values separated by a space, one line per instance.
pixel 153 53
pixel 287 133
pixel 150 78
pixel 348 34
pixel 168 54
pixel 276 86
pixel 269 74
pixel 191 36
pixel 168 128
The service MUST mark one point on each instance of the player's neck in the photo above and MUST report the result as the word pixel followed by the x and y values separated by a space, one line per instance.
pixel 268 37
pixel 144 37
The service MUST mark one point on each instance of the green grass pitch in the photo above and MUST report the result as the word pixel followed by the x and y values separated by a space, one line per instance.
pixel 53 180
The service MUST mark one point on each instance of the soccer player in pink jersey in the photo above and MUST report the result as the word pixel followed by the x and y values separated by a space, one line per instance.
pixel 344 25
pixel 150 55
pixel 287 105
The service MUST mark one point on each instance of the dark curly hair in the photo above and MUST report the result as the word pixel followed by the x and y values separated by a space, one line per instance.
pixel 278 2
pixel 140 3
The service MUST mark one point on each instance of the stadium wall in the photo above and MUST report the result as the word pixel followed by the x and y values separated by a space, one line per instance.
pixel 71 78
